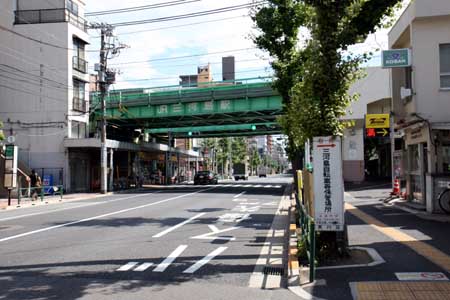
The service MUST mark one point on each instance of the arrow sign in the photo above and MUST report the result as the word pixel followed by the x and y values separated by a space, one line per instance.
pixel 213 235
pixel 383 132
pixel 326 146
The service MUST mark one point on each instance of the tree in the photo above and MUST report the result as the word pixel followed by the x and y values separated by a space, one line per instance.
pixel 313 78
pixel 255 161
pixel 238 150
pixel 2 136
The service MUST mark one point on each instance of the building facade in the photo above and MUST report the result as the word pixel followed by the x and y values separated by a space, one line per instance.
pixel 422 122
pixel 367 158
pixel 43 82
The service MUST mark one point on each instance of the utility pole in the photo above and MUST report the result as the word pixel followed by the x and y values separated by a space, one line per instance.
pixel 104 80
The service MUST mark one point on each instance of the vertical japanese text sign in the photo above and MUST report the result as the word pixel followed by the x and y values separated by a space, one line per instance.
pixel 10 180
pixel 328 184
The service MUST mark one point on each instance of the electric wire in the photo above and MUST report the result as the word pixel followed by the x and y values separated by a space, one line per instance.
pixel 189 15
pixel 139 8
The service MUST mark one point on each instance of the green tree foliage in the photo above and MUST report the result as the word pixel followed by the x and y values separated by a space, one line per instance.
pixel 2 136
pixel 313 78
pixel 238 150
pixel 255 160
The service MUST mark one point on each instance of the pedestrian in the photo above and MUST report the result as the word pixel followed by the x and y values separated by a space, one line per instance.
pixel 36 184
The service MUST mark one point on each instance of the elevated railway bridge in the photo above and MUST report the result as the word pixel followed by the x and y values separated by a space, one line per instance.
pixel 238 108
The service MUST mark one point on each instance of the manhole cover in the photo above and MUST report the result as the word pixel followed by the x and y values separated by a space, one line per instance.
pixel 273 271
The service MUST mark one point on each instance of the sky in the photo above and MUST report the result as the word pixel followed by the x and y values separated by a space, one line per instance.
pixel 228 31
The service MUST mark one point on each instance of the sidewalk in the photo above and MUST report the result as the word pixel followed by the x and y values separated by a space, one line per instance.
pixel 26 202
pixel 407 243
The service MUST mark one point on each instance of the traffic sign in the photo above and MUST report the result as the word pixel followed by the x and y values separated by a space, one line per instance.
pixel 396 58
pixel 328 184
pixel 374 132
pixel 377 121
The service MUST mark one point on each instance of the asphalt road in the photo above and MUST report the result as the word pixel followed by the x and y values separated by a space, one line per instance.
pixel 182 242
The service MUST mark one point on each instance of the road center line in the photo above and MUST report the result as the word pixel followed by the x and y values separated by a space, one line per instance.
pixel 98 217
pixel 73 207
pixel 178 225
pixel 169 259
pixel 204 260
pixel 238 195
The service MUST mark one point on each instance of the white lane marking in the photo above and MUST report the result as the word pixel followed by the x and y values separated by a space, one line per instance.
pixel 240 200
pixel 231 218
pixel 143 267
pixel 204 260
pixel 237 185
pixel 268 186
pixel 98 217
pixel 127 267
pixel 278 186
pixel 169 259
pixel 238 195
pixel 258 185
pixel 73 207
pixel 177 226
pixel 248 185
pixel 215 230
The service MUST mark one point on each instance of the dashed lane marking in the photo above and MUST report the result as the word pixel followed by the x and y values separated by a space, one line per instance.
pixel 204 260
pixel 127 267
pixel 238 195
pixel 143 267
pixel 172 256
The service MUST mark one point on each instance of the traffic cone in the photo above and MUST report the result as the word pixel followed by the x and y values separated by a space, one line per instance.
pixel 396 188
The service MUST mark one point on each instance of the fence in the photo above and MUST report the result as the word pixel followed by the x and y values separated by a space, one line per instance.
pixel 304 197
pixel 33 193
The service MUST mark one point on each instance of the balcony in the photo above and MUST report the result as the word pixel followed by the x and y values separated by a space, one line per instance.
pixel 79 64
pixel 49 16
pixel 79 104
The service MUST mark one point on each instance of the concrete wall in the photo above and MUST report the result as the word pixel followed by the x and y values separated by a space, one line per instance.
pixel 371 88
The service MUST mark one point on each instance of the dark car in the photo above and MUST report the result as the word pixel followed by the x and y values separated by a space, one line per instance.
pixel 205 177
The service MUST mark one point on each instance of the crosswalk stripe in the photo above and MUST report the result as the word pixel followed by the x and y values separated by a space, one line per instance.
pixel 172 256
pixel 127 267
pixel 143 267
pixel 204 260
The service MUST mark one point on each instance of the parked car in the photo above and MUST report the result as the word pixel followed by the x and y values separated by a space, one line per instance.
pixel 262 171
pixel 205 177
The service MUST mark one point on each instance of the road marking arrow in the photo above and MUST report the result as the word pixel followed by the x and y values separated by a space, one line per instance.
pixel 213 235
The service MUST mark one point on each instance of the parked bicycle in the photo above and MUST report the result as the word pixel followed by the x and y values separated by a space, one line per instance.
pixel 444 200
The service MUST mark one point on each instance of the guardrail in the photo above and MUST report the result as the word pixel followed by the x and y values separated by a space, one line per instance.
pixel 39 192
pixel 308 228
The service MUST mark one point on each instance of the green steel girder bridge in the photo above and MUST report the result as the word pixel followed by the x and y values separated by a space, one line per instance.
pixel 239 108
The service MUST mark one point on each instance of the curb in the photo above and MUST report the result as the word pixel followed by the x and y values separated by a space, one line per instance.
pixel 294 283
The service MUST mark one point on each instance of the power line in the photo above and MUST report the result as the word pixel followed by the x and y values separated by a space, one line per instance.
pixel 184 56
pixel 190 15
pixel 139 8
pixel 177 26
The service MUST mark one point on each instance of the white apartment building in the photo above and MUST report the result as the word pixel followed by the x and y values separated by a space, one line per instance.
pixel 422 121
pixel 43 83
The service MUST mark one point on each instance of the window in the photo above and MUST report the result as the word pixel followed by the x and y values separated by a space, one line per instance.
pixel 79 63
pixel 78 130
pixel 79 102
pixel 72 7
pixel 444 59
